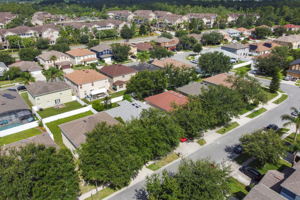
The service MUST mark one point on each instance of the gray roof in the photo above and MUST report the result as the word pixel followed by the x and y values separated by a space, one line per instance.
pixel 27 66
pixel 162 40
pixel 145 66
pixel 10 101
pixel 262 192
pixel 128 110
pixel 40 88
pixel 101 47
pixel 3 65
pixel 273 179
pixel 236 46
pixel 288 38
pixel 193 88
pixel 75 131
pixel 295 62
pixel 48 54
pixel 292 183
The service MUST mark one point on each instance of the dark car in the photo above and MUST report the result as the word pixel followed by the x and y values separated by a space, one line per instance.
pixel 21 88
pixel 251 172
pixel 295 114
pixel 273 127
pixel 238 149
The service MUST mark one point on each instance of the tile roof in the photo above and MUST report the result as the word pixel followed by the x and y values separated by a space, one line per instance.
pixel 143 46
pixel 47 55
pixel 101 47
pixel 262 192
pixel 193 88
pixel 288 38
pixel 27 66
pixel 219 79
pixel 80 77
pixel 169 61
pixel 41 88
pixel 117 70
pixel 166 100
pixel 263 46
pixel 11 101
pixel 76 130
pixel 80 52
pixel 236 46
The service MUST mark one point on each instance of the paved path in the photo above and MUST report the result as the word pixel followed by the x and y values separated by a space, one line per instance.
pixel 216 150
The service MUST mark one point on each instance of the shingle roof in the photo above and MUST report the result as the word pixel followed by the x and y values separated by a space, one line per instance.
pixel 76 130
pixel 143 46
pixel 48 54
pixel 116 70
pixel 101 47
pixel 193 88
pixel 236 46
pixel 292 183
pixel 27 66
pixel 144 67
pixel 273 179
pixel 170 62
pixel 288 38
pixel 5 16
pixel 80 77
pixel 80 52
pixel 10 101
pixel 262 192
pixel 295 62
pixel 41 88
pixel 166 100
pixel 219 79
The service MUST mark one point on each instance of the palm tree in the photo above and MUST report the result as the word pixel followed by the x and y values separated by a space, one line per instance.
pixel 293 120
pixel 53 74
pixel 27 78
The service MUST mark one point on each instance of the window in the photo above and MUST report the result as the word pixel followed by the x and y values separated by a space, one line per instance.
pixel 57 101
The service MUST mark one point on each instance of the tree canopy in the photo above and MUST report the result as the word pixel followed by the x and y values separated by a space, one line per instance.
pixel 160 52
pixel 214 63
pixel 120 52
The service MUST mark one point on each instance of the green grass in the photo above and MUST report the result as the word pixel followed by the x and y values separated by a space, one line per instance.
pixel 281 165
pixel 256 113
pixel 6 82
pixel 243 69
pixel 297 83
pixel 19 136
pixel 264 77
pixel 248 108
pixel 53 126
pixel 86 188
pixel 281 99
pixel 291 137
pixel 269 94
pixel 240 159
pixel 228 128
pixel 55 111
pixel 201 142
pixel 102 194
pixel 24 95
pixel 164 161
pixel 117 94
pixel 237 189
pixel 282 131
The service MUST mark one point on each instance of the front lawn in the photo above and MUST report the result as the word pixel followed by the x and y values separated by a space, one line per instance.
pixel 243 69
pixel 117 94
pixel 201 142
pixel 24 95
pixel 228 128
pixel 281 165
pixel 53 126
pixel 248 108
pixel 237 189
pixel 281 99
pixel 164 161
pixel 256 113
pixel 269 94
pixel 55 111
pixel 102 194
pixel 291 137
pixel 19 136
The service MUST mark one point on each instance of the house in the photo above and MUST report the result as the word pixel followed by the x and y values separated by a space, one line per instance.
pixel 237 48
pixel 74 132
pixel 198 37
pixel 173 19
pixel 291 27
pixel 55 59
pixel 40 18
pixel 118 75
pixel 13 110
pixel 167 100
pixel 145 67
pixel 219 79
pixel 49 94
pixel 3 68
pixel 88 84
pixel 143 16
pixel 128 111
pixel 207 18
pixel 292 41
pixel 124 15
pixel 167 43
pixel 233 17
pixel 262 48
pixel 192 89
pixel 294 69
pixel 142 46
pixel 5 18
pixel 101 25
pixel 103 52
pixel 169 62
pixel 28 66
pixel 244 31
pixel 82 56
pixel 233 33
pixel 48 31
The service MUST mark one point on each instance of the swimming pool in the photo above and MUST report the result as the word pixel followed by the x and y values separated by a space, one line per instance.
pixel 9 126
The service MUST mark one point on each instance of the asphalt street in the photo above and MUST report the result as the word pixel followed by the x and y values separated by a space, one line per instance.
pixel 217 151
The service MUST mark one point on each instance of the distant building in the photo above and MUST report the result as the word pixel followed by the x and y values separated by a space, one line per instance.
pixel 294 69
pixel 292 27
pixel 103 52
pixel 3 68
pixel 167 43
pixel 170 62
pixel 207 18
pixel 5 18
pixel 291 41
pixel 143 16
pixel 40 18
pixel 237 48
pixel 55 59
pixel 82 56
pixel 124 15
pixel 28 66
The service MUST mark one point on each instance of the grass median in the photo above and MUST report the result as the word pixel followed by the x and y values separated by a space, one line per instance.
pixel 228 128
pixel 19 136
pixel 48 112
pixel 256 113
pixel 281 99
pixel 102 194
pixel 164 161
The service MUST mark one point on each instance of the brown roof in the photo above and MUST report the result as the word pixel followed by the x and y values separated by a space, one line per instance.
pixel 80 77
pixel 27 66
pixel 76 130
pixel 117 83
pixel 219 79
pixel 169 61
pixel 117 70
pixel 143 46
pixel 11 101
pixel 292 183
pixel 166 100
pixel 48 54
pixel 273 179
pixel 263 46
pixel 262 192
pixel 41 88
pixel 80 52
pixel 6 16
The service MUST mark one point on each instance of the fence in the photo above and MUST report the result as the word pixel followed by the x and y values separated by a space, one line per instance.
pixel 116 99
pixel 19 128
pixel 242 64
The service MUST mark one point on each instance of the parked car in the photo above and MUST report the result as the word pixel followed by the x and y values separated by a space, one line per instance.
pixel 251 172
pixel 272 126
pixel 183 139
pixel 238 149
pixel 288 78
pixel 295 114
pixel 294 79
pixel 233 60
pixel 254 71
pixel 21 88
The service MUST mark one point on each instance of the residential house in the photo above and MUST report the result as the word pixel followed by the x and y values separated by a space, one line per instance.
pixel 145 67
pixel 262 48
pixel 167 100
pixel 170 62
pixel 244 31
pixel 55 59
pixel 219 79
pixel 207 18
pixel 48 31
pixel 192 89
pixel 118 75
pixel 292 41
pixel 5 18
pixel 41 18
pixel 74 132
pixel 233 33
pixel 103 52
pixel 142 16
pixel 82 56
pixel 128 111
pixel 49 94
pixel 167 43
pixel 3 68
pixel 292 27
pixel 233 17
pixel 172 19
pixel 88 84
pixel 142 46
pixel 96 25
pixel 13 110
pixel 198 37
pixel 237 48
pixel 28 66
pixel 294 69
pixel 123 15
pixel 160 14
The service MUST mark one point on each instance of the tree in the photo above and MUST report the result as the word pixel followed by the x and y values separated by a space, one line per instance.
pixel 166 35
pixel 27 77
pixel 53 74
pixel 12 73
pixel 143 56
pixel 120 52
pixel 186 43
pixel 14 41
pixel 29 54
pixel 37 172
pixel 127 33
pixel 62 47
pixel 262 32
pixel 293 120
pixel 265 146
pixel 160 52
pixel 279 31
pixel 181 33
pixel 6 58
pixel 198 180
pixel 92 43
pixel 196 25
pixel 42 43
pixel 214 63
pixel 28 42
pixel 197 48
pixel 84 39
pixel 275 82
pixel 212 38
pixel 144 29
